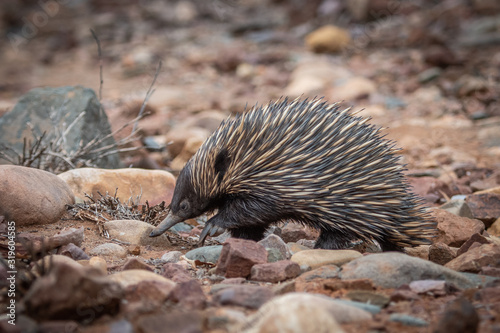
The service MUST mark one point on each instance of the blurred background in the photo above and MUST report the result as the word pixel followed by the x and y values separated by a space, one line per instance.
pixel 427 70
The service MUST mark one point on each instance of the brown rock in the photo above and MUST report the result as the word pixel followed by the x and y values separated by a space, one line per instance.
pixel 83 293
pixel 146 295
pixel 403 295
pixel 243 295
pixel 238 256
pixel 328 39
pixel 429 188
pixel 293 232
pixel 441 253
pixel 134 263
pixel 189 294
pixel 474 259
pixel 455 230
pixel 476 238
pixel 369 297
pixel 275 271
pixel 175 272
pixel 73 251
pixel 459 316
pixel 179 136
pixel 154 186
pixel 484 207
pixel 490 271
pixel 494 229
pixel 434 287
pixel 32 196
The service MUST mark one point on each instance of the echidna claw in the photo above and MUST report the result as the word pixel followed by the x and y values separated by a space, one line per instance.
pixel 209 230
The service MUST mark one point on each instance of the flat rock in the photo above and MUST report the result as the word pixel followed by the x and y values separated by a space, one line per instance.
pixel 454 230
pixel 329 39
pixel 109 249
pixel 392 269
pixel 48 109
pixel 434 287
pixel 248 296
pixel 352 89
pixel 319 257
pixel 32 196
pixel 275 271
pixel 276 248
pixel 135 276
pixel 238 256
pixel 135 263
pixel 205 253
pixel 293 232
pixel 475 258
pixel 310 313
pixel 171 256
pixel 133 184
pixel 323 272
pixel 134 232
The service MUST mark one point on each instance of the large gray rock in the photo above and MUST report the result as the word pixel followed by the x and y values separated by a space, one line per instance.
pixel 52 110
pixel 392 269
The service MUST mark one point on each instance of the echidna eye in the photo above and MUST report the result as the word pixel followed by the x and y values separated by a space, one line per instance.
pixel 184 205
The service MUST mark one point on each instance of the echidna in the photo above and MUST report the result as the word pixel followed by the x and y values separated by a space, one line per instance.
pixel 306 161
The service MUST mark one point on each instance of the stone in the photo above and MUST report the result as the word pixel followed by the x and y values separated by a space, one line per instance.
pixel 175 272
pixel 328 39
pixel 294 247
pixel 293 232
pixel 109 250
pixel 458 207
pixel 248 296
pixel 53 110
pixel 323 272
pixel 393 269
pixel 274 242
pixel 454 230
pixel 310 313
pixel 484 207
pixel 73 251
pixel 275 271
pixel 31 196
pixel 429 188
pixel 352 89
pixel 207 254
pixel 179 136
pixel 238 256
pixel 171 256
pixel 135 263
pixel 135 233
pixel 130 184
pixel 371 308
pixel 189 295
pixel 476 238
pixel 320 257
pixel 99 263
pixel 225 319
pixel 146 296
pixel 172 321
pixel 408 320
pixel 83 293
pixel 133 277
pixel 369 297
pixel 441 253
pixel 494 229
pixel 473 260
pixel 421 251
pixel 434 287
pixel 190 147
pixel 459 316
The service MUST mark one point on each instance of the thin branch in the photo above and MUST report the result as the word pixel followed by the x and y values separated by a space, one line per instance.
pixel 99 54
pixel 148 95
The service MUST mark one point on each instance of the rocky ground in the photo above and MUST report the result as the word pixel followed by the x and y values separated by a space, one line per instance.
pixel 429 72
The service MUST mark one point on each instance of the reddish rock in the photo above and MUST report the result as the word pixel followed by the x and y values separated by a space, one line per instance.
pixel 441 253
pixel 293 232
pixel 189 294
pixel 238 256
pixel 490 271
pixel 403 295
pixel 454 230
pixel 243 295
pixel 476 238
pixel 32 196
pixel 484 207
pixel 175 272
pixel 73 251
pixel 134 263
pixel 429 188
pixel 474 259
pixel 275 271
pixel 146 295
pixel 434 287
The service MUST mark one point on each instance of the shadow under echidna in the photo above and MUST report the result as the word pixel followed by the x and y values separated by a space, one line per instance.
pixel 306 161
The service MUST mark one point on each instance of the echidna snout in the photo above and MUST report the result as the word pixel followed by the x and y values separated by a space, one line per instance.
pixel 306 161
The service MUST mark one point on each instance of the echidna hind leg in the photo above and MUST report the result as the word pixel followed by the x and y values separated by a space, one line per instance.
pixel 332 240
pixel 255 233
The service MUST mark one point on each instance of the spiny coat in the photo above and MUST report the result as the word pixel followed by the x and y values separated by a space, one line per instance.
pixel 306 161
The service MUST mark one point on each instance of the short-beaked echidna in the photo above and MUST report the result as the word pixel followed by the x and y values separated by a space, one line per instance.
pixel 306 161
